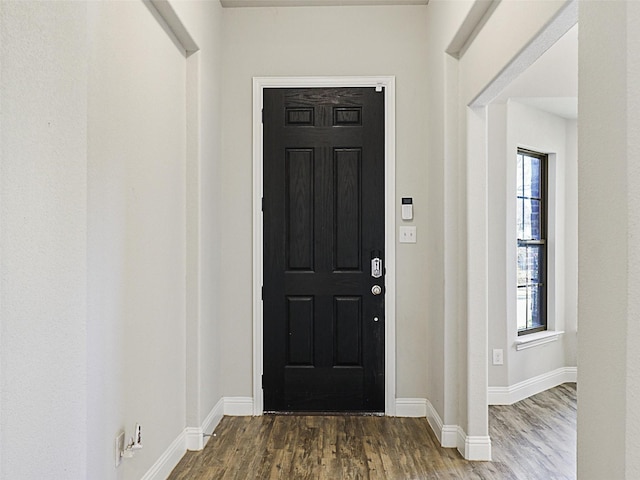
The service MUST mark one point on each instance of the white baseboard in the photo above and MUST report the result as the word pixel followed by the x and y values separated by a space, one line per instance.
pixel 475 448
pixel 435 422
pixel 161 469
pixel 213 419
pixel 532 386
pixel 447 435
pixel 191 438
pixel 194 436
pixel 449 438
pixel 411 407
pixel 238 406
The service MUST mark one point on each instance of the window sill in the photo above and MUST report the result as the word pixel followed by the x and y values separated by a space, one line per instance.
pixel 536 339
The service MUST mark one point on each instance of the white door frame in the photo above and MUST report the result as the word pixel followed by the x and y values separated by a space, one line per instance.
pixel 388 82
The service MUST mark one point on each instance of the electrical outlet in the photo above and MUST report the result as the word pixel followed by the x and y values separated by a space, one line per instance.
pixel 498 357
pixel 407 234
pixel 119 448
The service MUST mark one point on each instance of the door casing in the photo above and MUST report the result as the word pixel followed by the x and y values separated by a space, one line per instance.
pixel 388 83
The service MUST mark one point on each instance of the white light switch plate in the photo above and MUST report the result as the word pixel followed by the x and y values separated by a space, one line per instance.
pixel 407 234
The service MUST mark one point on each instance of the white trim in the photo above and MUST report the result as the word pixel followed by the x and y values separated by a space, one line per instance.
pixel 532 386
pixel 461 438
pixel 447 435
pixel 475 448
pixel 534 339
pixel 239 406
pixel 213 419
pixel 176 27
pixel 411 407
pixel 195 436
pixel 191 438
pixel 259 84
pixel 449 438
pixel 435 422
pixel 168 460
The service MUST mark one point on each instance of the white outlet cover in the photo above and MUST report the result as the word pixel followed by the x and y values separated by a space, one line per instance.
pixel 119 448
pixel 498 356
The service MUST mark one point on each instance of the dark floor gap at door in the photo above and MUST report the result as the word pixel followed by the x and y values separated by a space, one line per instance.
pixel 532 440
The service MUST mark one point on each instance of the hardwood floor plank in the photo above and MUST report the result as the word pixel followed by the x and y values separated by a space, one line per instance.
pixel 532 440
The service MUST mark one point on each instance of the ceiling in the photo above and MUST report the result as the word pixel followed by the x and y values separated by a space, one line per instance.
pixel 316 3
pixel 551 83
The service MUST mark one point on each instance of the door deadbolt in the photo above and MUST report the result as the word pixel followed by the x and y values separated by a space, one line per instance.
pixel 376 289
pixel 376 267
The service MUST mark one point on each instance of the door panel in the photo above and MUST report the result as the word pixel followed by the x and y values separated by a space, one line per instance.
pixel 347 206
pixel 323 222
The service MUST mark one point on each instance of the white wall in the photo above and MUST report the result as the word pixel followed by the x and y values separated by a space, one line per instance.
pixel 571 254
pixel 136 236
pixel 324 41
pixel 609 257
pixel 514 126
pixel 499 238
pixel 96 230
pixel 154 157
pixel 43 268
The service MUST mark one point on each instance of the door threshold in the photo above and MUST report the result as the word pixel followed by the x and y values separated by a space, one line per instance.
pixel 325 414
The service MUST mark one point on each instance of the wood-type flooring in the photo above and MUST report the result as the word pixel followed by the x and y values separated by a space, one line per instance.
pixel 531 440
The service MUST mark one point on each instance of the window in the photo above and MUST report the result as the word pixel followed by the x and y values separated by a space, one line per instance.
pixel 532 248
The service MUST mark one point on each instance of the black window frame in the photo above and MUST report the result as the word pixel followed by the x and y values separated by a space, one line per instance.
pixel 539 243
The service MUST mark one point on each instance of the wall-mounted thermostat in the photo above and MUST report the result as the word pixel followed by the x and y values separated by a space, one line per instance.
pixel 407 208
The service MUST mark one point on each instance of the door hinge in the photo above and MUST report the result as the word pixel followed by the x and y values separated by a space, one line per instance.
pixel 262 381
pixel 262 293
pixel 263 115
pixel 262 207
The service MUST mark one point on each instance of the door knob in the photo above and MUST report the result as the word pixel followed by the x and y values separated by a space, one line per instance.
pixel 376 289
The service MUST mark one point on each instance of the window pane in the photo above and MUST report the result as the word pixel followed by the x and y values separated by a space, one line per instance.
pixel 532 177
pixel 534 263
pixel 521 307
pixel 520 218
pixel 530 264
pixel 526 219
pixel 529 307
pixel 520 177
pixel 534 306
pixel 532 221
pixel 523 271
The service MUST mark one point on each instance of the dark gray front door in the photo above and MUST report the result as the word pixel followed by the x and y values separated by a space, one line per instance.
pixel 323 225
